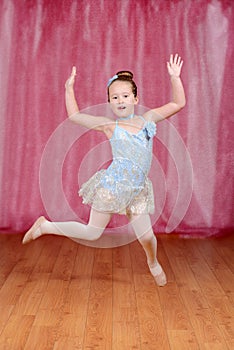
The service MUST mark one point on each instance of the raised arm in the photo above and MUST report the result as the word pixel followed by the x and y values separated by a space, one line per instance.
pixel 178 96
pixel 86 120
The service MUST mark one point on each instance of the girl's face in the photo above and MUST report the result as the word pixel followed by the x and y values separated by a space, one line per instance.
pixel 122 100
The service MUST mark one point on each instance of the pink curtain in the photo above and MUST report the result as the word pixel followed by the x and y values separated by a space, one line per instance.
pixel 44 158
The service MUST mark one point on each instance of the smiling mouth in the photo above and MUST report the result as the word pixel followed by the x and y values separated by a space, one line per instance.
pixel 121 108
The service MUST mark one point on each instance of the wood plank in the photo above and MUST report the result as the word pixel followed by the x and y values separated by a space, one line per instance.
pixel 51 246
pixel 12 288
pixel 125 322
pixel 124 297
pixel 150 317
pixel 83 266
pixel 122 257
pixel 71 343
pixel 65 260
pixel 98 331
pixel 71 330
pixel 218 266
pixel 28 258
pixel 182 271
pixel 227 330
pixel 202 319
pixel 53 297
pixel 30 298
pixel 9 255
pixel 182 340
pixel 203 265
pixel 225 248
pixel 5 312
pixel 125 336
pixel 49 315
pixel 215 346
pixel 15 333
pixel 174 313
pixel 223 314
pixel 43 335
pixel 203 274
pixel 138 258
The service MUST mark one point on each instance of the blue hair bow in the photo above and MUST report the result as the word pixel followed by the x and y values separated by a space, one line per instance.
pixel 112 79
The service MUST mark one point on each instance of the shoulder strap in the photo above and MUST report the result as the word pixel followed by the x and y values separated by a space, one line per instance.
pixel 140 116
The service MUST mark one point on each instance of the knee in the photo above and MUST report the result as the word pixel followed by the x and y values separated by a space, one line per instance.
pixel 93 233
pixel 147 238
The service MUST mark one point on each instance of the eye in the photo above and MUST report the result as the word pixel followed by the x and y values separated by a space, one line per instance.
pixel 126 96
pixel 114 98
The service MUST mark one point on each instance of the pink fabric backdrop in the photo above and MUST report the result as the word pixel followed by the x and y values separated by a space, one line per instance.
pixel 42 154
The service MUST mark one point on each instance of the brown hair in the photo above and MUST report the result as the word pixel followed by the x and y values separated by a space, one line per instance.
pixel 123 76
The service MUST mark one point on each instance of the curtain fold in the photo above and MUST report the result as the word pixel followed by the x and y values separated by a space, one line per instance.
pixel 44 158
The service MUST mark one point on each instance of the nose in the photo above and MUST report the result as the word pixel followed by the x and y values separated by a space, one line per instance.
pixel 120 99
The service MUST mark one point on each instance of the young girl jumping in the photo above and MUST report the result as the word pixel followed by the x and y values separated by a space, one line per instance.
pixel 124 187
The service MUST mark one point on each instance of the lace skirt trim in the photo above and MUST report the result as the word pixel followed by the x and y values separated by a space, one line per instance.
pixel 123 200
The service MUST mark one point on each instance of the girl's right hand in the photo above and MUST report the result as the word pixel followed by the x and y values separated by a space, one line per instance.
pixel 71 80
pixel 174 66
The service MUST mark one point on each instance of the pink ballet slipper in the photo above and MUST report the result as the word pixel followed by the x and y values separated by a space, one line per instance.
pixel 158 274
pixel 30 234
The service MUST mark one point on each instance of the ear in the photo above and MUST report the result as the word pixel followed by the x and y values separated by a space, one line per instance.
pixel 136 100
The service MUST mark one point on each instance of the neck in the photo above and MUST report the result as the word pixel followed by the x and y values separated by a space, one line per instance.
pixel 128 117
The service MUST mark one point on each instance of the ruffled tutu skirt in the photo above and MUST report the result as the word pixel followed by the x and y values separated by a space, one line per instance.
pixel 119 197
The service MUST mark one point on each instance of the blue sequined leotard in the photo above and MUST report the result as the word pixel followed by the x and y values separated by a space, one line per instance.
pixel 124 186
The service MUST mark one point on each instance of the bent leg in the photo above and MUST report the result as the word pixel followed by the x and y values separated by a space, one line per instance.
pixel 145 235
pixel 72 229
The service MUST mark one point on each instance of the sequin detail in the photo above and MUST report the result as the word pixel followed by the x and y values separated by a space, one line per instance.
pixel 124 186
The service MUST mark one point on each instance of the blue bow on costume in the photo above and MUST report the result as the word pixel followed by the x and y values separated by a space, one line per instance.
pixel 112 79
pixel 150 130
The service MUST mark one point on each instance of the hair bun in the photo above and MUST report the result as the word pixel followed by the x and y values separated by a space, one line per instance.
pixel 125 74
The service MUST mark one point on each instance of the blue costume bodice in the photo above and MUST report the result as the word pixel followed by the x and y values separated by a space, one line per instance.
pixel 124 185
pixel 132 156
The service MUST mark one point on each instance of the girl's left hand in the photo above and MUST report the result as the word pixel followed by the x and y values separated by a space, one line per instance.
pixel 174 66
pixel 71 80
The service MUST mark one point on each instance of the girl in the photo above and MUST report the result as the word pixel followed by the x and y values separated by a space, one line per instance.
pixel 124 186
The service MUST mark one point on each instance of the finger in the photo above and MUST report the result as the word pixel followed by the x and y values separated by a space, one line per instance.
pixel 181 64
pixel 178 60
pixel 175 58
pixel 171 59
pixel 73 71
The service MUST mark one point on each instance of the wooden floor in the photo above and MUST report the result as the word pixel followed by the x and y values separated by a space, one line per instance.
pixel 57 294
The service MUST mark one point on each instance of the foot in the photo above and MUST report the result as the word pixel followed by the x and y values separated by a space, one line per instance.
pixel 31 233
pixel 158 274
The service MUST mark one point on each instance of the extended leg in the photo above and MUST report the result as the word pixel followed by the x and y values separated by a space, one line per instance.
pixel 143 230
pixel 92 231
